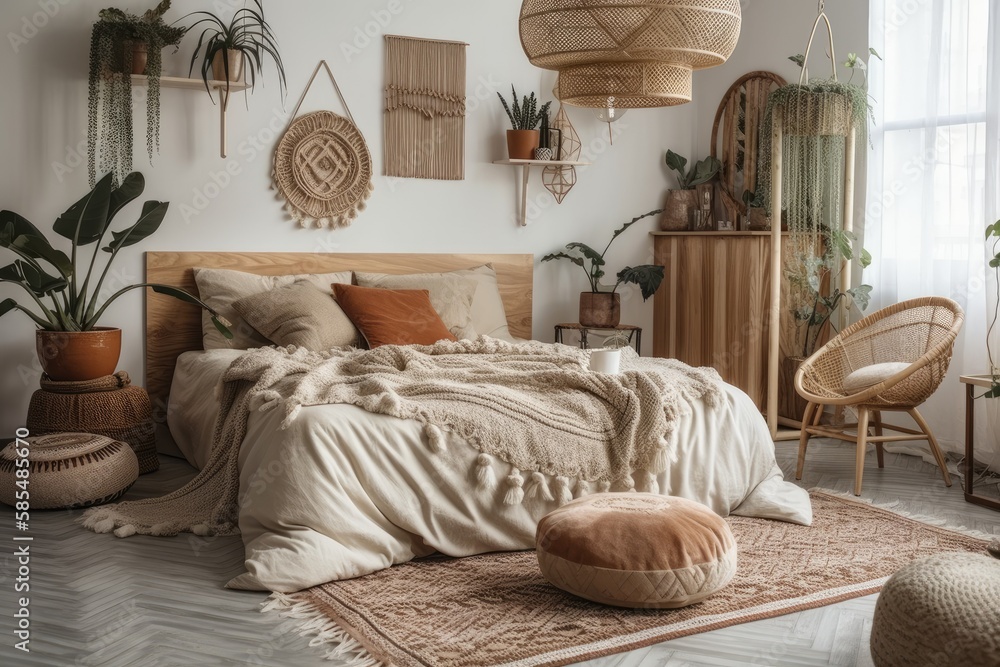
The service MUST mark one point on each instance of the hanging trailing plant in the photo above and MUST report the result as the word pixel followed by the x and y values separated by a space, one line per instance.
pixel 993 233
pixel 118 38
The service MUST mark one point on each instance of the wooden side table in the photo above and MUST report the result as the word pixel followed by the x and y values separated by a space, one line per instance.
pixel 971 382
pixel 634 333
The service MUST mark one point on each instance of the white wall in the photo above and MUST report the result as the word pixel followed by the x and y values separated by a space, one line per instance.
pixel 44 104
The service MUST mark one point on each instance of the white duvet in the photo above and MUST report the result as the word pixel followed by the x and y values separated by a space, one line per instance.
pixel 343 492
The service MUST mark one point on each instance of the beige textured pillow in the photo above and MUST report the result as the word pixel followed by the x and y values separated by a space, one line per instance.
pixel 869 376
pixel 219 288
pixel 450 294
pixel 298 314
pixel 636 550
pixel 488 315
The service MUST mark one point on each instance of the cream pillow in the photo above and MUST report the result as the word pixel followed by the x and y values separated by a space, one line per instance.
pixel 219 288
pixel 451 295
pixel 488 315
pixel 298 314
pixel 869 376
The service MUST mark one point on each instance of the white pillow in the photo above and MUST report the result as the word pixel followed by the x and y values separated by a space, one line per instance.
pixel 869 376
pixel 219 288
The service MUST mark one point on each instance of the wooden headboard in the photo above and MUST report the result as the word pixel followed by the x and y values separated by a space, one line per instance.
pixel 174 327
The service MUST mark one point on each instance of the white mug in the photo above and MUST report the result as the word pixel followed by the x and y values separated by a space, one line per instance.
pixel 605 361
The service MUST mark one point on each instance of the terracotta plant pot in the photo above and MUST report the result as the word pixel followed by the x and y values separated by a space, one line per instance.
pixel 600 309
pixel 74 356
pixel 521 144
pixel 235 66
pixel 678 209
pixel 140 56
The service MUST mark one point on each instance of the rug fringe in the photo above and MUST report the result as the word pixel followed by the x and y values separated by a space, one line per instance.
pixel 895 508
pixel 324 632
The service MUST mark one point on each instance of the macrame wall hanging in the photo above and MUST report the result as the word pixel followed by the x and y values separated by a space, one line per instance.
pixel 322 166
pixel 560 180
pixel 424 108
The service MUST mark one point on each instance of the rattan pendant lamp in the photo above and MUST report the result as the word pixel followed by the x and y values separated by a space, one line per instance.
pixel 638 53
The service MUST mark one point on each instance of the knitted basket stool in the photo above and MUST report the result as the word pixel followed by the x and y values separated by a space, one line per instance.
pixel 68 470
pixel 636 550
pixel 940 610
pixel 108 406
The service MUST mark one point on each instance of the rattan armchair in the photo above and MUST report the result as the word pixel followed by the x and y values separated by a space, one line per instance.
pixel 919 333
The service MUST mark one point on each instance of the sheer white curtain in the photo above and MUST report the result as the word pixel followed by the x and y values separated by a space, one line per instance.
pixel 933 179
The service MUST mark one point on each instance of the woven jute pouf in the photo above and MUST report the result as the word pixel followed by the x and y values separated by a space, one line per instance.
pixel 940 610
pixel 66 470
pixel 109 406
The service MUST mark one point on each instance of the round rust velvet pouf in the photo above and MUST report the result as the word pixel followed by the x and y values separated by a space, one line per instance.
pixel 68 470
pixel 636 550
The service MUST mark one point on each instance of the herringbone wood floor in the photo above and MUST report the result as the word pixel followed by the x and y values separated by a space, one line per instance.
pixel 97 600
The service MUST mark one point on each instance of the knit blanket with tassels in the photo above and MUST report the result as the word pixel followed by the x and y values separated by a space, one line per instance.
pixel 533 405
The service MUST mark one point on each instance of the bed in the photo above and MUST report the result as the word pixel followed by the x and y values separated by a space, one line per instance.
pixel 342 491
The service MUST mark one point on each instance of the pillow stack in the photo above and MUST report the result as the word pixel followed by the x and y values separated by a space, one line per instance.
pixel 324 311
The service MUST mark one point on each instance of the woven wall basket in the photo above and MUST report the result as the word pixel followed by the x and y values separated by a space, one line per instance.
pixel 323 170
pixel 322 165
pixel 69 470
pixel 108 406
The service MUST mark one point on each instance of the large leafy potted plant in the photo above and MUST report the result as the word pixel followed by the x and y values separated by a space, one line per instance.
pixel 229 48
pixel 524 115
pixel 601 307
pixel 67 306
pixel 812 275
pixel 681 202
pixel 122 44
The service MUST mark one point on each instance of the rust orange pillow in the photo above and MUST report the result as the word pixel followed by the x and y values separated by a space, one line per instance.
pixel 392 317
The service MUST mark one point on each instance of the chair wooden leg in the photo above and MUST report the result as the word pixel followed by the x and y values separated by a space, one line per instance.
pixel 932 441
pixel 807 417
pixel 877 416
pixel 859 470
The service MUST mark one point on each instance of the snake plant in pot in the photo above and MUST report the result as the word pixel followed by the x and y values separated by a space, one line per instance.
pixel 524 117
pixel 67 306
pixel 601 308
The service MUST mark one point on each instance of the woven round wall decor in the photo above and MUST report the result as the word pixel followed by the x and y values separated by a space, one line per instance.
pixel 323 169
pixel 322 165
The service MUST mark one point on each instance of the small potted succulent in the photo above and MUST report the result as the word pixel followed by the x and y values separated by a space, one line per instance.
pixel 682 202
pixel 66 307
pixel 601 306
pixel 524 117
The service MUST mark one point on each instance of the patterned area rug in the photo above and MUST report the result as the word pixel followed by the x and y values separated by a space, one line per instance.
pixel 496 609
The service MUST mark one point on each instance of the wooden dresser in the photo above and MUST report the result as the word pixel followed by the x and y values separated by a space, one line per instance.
pixel 712 309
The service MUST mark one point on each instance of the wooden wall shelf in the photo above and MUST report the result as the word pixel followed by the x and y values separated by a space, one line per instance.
pixel 185 83
pixel 526 166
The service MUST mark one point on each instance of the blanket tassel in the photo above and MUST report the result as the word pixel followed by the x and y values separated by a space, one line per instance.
pixel 435 438
pixel 603 486
pixel 648 482
pixel 663 457
pixel 582 488
pixel 537 488
pixel 484 473
pixel 563 492
pixel 515 494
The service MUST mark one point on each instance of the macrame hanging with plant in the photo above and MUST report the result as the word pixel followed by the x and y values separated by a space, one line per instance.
pixel 819 117
pixel 122 44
